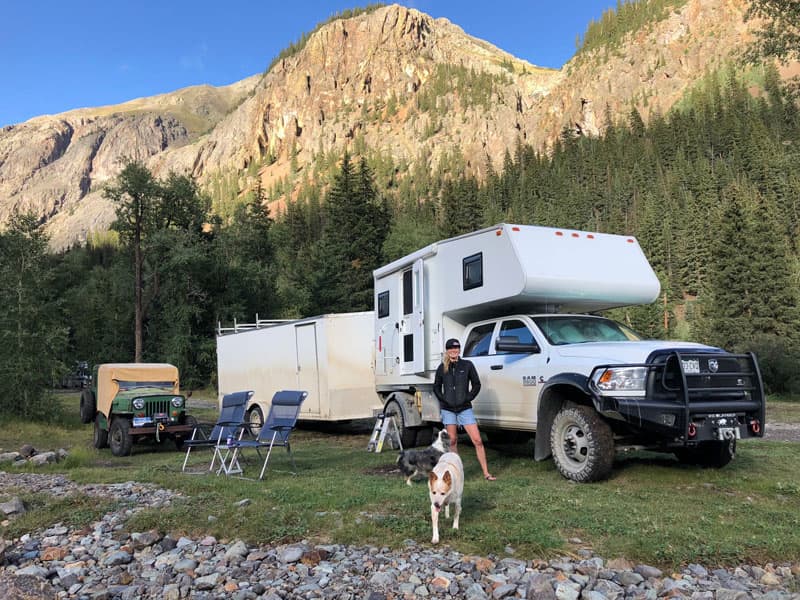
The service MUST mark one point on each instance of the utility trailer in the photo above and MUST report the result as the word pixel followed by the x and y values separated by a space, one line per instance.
pixel 522 300
pixel 329 356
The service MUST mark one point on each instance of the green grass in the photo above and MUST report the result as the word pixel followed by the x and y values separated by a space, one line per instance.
pixel 652 510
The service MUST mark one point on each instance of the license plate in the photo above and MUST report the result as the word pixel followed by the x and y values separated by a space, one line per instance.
pixel 691 366
pixel 141 421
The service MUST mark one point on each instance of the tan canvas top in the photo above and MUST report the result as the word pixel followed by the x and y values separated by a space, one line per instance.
pixel 109 374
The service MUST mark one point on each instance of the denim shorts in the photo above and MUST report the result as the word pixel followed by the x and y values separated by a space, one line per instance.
pixel 465 417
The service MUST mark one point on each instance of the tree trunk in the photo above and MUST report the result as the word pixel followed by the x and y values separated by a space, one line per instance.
pixel 137 262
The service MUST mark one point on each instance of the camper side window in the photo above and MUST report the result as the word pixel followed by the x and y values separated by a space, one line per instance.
pixel 479 340
pixel 383 304
pixel 473 271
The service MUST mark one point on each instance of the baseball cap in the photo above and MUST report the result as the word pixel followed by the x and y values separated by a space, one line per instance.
pixel 452 343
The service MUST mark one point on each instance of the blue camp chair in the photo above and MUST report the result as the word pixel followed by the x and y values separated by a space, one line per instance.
pixel 227 426
pixel 275 431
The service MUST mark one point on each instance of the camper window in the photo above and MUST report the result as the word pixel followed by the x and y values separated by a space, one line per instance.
pixel 473 271
pixel 479 340
pixel 383 304
pixel 408 293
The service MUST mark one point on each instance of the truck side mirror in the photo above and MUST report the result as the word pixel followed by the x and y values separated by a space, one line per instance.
pixel 511 343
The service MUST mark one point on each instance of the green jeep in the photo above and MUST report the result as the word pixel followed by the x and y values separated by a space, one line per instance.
pixel 132 401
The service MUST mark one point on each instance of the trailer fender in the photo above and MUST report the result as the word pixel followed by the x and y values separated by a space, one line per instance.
pixel 408 406
pixel 561 390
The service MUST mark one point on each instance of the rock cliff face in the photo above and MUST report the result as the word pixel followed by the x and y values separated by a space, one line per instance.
pixel 395 80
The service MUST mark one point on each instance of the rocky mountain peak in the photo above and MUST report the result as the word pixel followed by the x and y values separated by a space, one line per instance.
pixel 393 80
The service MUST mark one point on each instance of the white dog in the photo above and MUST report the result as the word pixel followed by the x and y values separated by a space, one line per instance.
pixel 445 487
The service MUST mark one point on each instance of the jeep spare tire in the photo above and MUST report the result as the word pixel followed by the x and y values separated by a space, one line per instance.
pixel 582 444
pixel 88 406
pixel 119 437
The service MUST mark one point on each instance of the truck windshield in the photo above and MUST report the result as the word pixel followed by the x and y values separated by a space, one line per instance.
pixel 577 329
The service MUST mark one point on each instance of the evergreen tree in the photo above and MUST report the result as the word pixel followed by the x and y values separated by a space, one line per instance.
pixel 355 226
pixel 32 338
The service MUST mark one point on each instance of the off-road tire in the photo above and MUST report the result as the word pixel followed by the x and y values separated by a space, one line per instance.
pixel 582 444
pixel 255 421
pixel 99 435
pixel 712 454
pixel 408 435
pixel 88 406
pixel 119 437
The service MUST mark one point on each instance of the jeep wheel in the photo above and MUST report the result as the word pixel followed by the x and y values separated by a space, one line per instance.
pixel 582 444
pixel 88 407
pixel 100 435
pixel 713 454
pixel 408 436
pixel 119 437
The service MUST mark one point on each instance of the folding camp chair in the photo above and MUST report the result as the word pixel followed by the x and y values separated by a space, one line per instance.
pixel 275 431
pixel 228 424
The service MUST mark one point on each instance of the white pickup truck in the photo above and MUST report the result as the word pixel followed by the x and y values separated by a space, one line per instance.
pixel 520 299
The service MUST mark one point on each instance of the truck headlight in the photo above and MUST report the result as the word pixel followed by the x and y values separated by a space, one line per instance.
pixel 620 379
pixel 138 403
pixel 177 401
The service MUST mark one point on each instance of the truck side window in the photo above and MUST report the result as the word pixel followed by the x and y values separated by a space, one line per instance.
pixel 383 304
pixel 518 329
pixel 478 342
pixel 473 271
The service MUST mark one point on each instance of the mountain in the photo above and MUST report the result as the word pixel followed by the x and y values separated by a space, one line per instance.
pixel 392 79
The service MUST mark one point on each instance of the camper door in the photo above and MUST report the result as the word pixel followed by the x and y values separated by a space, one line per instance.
pixel 412 337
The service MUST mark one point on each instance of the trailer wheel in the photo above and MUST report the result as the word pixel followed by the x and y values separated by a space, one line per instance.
pixel 255 420
pixel 713 454
pixel 88 407
pixel 100 435
pixel 119 437
pixel 582 444
pixel 408 436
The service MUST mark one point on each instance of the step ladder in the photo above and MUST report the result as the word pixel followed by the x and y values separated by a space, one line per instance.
pixel 384 425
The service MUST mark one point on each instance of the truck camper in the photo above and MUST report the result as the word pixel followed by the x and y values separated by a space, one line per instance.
pixel 520 298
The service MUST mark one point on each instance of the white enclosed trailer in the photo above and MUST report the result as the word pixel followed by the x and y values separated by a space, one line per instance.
pixel 329 356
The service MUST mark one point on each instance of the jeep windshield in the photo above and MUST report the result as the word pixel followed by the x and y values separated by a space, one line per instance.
pixel 577 329
pixel 152 387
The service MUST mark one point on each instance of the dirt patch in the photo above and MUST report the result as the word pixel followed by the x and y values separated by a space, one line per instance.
pixel 785 432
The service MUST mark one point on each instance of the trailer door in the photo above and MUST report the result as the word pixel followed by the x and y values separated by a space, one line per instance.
pixel 412 337
pixel 308 366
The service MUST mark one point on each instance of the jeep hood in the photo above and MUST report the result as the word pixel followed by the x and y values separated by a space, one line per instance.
pixel 626 352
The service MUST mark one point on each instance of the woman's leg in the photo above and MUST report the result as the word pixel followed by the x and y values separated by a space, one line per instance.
pixel 452 433
pixel 475 438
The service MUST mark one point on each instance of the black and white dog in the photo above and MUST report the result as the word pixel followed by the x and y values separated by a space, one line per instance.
pixel 421 462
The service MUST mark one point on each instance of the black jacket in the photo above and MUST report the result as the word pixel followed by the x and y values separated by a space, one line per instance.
pixel 457 388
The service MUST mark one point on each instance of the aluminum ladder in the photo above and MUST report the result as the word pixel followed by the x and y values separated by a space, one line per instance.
pixel 384 425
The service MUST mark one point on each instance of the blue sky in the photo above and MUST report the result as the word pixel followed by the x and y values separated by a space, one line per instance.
pixel 56 55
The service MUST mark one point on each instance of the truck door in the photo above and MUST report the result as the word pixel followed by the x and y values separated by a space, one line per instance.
pixel 308 366
pixel 517 376
pixel 412 337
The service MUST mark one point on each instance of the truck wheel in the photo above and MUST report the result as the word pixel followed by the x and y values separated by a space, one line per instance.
pixel 100 435
pixel 255 420
pixel 408 436
pixel 713 454
pixel 119 437
pixel 88 407
pixel 582 444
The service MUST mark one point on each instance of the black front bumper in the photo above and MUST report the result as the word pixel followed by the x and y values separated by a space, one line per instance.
pixel 690 398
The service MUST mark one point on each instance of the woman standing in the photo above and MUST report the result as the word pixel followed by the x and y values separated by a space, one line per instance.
pixel 456 385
